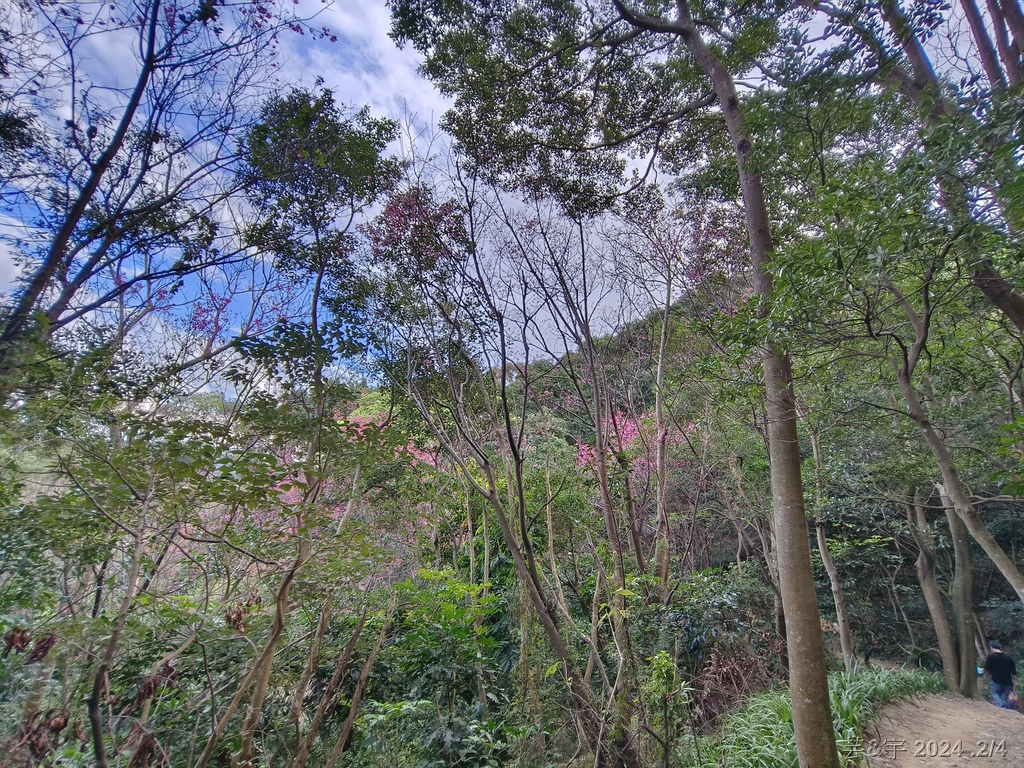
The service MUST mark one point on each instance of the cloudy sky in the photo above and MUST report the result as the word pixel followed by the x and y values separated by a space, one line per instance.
pixel 363 67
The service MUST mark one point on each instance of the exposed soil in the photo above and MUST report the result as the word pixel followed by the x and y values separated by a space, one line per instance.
pixel 946 731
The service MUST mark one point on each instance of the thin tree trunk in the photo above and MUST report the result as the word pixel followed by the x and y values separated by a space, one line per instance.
pixel 623 740
pixel 99 687
pixel 357 695
pixel 160 663
pixel 663 547
pixel 579 693
pixel 958 497
pixel 932 594
pixel 312 662
pixel 897 608
pixel 846 640
pixel 529 673
pixel 265 663
pixel 340 668
pixel 478 621
pixel 962 596
pixel 98 598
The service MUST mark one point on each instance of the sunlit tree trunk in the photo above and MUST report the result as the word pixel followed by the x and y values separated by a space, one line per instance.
pixel 812 716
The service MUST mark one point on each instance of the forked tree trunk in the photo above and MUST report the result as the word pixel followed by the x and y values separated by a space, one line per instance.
pixel 932 594
pixel 962 597
pixel 955 490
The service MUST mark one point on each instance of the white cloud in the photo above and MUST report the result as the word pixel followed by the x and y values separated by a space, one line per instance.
pixel 364 66
pixel 9 271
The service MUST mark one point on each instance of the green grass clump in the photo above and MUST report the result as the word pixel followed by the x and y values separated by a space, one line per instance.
pixel 761 734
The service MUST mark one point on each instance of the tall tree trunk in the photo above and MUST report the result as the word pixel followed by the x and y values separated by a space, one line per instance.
pixel 932 594
pixel 478 621
pixel 663 546
pixel 962 597
pixel 808 683
pixel 1009 52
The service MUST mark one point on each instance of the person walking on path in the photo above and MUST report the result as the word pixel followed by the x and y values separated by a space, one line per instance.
pixel 1001 669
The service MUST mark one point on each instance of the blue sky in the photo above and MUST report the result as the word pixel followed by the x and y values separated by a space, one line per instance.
pixel 363 67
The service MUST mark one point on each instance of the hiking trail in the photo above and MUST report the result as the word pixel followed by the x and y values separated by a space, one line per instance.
pixel 944 731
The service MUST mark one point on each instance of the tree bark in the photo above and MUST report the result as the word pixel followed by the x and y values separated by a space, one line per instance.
pixel 986 50
pixel 954 488
pixel 847 642
pixel 808 683
pixel 962 597
pixel 932 594
pixel 357 695
pixel 313 660
pixel 340 668
pixel 265 662
pixel 812 719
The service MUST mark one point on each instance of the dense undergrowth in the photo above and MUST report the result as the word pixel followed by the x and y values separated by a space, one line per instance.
pixel 760 735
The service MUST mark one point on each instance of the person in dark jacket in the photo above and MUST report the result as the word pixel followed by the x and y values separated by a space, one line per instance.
pixel 1001 669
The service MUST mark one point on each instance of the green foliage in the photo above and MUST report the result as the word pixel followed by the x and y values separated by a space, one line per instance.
pixel 426 709
pixel 761 734
pixel 308 160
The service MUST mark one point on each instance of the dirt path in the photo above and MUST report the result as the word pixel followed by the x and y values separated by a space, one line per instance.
pixel 946 731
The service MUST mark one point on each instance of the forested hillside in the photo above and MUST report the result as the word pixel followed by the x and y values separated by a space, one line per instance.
pixel 675 373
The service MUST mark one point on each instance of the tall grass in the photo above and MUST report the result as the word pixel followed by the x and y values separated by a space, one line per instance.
pixel 761 734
